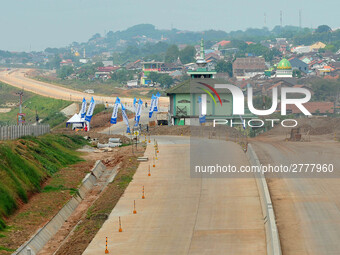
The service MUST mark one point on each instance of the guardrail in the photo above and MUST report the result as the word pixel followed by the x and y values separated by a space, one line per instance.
pixel 17 131
pixel 272 234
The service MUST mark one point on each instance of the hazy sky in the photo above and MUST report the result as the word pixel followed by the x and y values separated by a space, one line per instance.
pixel 54 23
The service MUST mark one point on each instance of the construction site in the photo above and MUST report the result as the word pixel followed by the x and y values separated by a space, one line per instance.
pixel 137 193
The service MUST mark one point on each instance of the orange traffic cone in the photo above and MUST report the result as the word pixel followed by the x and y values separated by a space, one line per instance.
pixel 120 226
pixel 106 250
pixel 134 207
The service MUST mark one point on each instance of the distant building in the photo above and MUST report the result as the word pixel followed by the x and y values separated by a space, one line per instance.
pixel 137 65
pixel 66 62
pixel 248 67
pixel 83 60
pixel 202 70
pixel 212 57
pixel 326 70
pixel 108 68
pixel 132 83
pixel 107 63
pixel 220 44
pixel 284 69
pixel 149 67
pixel 105 72
pixel 301 49
pixel 184 98
pixel 314 108
pixel 298 64
pixel 318 45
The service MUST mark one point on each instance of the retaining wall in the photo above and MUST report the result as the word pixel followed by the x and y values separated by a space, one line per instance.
pixel 15 131
pixel 272 234
pixel 43 235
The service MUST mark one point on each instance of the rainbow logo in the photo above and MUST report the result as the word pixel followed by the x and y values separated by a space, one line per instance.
pixel 209 93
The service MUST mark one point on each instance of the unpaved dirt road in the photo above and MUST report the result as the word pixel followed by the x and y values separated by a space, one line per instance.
pixel 18 78
pixel 183 215
pixel 307 208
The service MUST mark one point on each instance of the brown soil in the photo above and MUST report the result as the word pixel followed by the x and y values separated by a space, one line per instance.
pixel 93 219
pixel 101 120
pixel 314 126
pixel 41 208
pixel 92 134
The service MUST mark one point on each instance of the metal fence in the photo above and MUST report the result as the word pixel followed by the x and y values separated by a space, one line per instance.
pixel 15 131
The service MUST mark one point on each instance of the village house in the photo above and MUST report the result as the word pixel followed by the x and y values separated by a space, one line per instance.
pixel 244 68
pixel 66 62
pixel 315 108
pixel 298 64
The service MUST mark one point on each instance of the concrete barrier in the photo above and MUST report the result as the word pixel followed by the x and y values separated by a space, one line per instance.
pixel 43 235
pixel 98 169
pixel 272 234
pixel 108 145
pixel 114 140
pixel 142 159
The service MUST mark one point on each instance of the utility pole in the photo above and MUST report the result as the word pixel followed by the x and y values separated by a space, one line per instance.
pixel 36 116
pixel 21 93
pixel 281 23
pixel 300 18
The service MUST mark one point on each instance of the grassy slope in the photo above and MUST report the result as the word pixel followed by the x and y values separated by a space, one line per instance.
pixel 25 163
pixel 47 108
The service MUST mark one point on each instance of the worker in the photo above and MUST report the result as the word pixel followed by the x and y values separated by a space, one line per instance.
pixel 85 128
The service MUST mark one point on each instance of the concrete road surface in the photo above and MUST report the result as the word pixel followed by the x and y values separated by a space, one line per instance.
pixel 307 209
pixel 183 215
pixel 18 78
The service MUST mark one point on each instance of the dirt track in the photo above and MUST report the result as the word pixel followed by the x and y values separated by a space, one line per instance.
pixel 18 78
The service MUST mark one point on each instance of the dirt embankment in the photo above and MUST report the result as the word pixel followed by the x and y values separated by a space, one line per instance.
pixel 311 126
pixel 41 208
pixel 95 216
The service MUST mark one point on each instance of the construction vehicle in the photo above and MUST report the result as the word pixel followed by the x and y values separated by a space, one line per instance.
pixel 295 135
pixel 162 118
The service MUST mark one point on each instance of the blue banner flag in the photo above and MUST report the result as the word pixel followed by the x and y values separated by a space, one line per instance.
pixel 156 102
pixel 83 109
pixel 90 110
pixel 125 119
pixel 139 111
pixel 115 111
pixel 152 105
pixel 134 104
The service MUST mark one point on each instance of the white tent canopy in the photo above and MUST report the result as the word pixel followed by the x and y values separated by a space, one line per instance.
pixel 76 121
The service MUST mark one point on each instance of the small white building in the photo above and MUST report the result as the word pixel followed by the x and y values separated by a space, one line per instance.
pixel 83 60
pixel 132 83
pixel 107 63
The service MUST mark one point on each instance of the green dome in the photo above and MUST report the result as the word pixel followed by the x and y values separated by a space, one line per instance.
pixel 284 65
